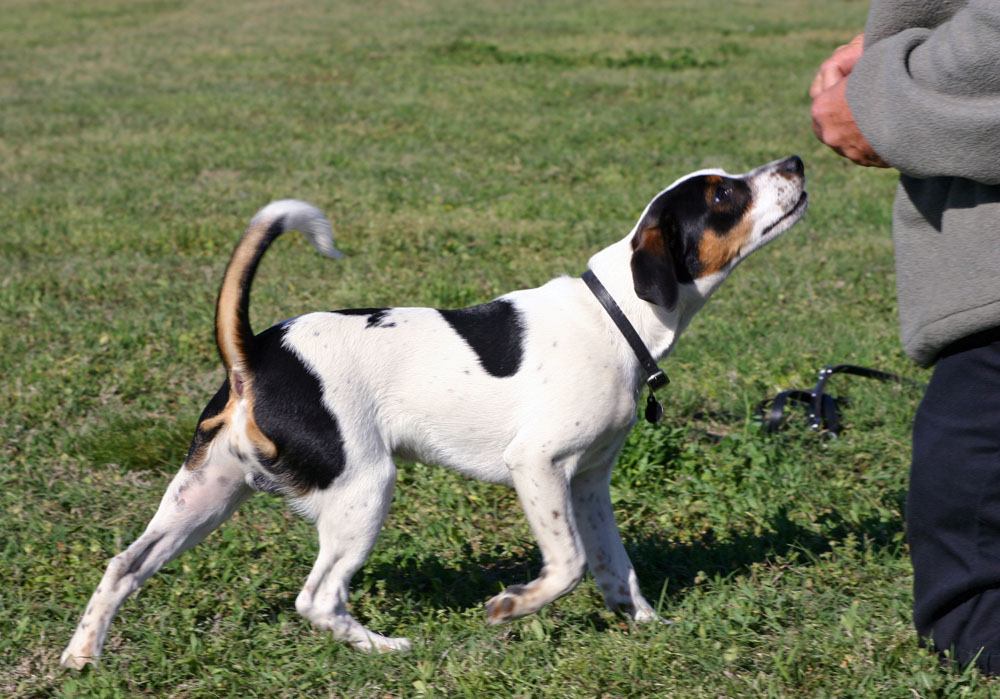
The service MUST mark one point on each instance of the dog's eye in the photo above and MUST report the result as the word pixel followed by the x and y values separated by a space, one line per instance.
pixel 722 194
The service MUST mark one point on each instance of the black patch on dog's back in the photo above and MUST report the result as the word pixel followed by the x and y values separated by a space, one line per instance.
pixel 494 332
pixel 359 311
pixel 377 320
pixel 376 316
pixel 289 410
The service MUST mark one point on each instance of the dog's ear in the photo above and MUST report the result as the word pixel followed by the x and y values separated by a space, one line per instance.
pixel 653 273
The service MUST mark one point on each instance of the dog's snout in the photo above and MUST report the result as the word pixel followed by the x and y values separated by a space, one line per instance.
pixel 792 165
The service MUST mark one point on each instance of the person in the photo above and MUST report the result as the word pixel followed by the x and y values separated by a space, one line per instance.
pixel 919 91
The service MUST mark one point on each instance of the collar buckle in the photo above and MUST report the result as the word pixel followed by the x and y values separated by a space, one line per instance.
pixel 657 380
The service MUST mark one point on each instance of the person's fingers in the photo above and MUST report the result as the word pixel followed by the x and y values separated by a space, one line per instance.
pixel 838 66
pixel 828 75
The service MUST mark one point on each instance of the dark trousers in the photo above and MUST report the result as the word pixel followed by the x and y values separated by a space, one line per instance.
pixel 953 507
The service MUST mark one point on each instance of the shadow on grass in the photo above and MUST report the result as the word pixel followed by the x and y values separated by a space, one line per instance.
pixel 656 558
pixel 712 555
pixel 476 578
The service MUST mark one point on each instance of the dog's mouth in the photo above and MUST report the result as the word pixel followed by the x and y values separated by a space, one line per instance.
pixel 790 216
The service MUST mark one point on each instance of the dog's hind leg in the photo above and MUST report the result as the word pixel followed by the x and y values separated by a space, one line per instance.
pixel 350 515
pixel 196 502
pixel 606 556
pixel 542 486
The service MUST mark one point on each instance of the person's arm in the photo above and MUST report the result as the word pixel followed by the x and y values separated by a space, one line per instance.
pixel 928 100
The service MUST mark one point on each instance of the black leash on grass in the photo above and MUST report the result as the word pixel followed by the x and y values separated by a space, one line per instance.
pixel 821 408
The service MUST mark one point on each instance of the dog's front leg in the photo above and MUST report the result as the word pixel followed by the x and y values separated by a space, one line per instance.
pixel 606 556
pixel 542 486
pixel 196 502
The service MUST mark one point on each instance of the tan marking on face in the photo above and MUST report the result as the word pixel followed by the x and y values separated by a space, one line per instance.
pixel 716 251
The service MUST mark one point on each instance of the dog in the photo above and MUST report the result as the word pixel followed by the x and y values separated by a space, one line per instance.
pixel 537 389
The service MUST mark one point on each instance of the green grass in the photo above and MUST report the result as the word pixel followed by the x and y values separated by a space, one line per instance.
pixel 462 149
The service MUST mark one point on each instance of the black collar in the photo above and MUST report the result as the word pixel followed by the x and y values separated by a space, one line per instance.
pixel 655 377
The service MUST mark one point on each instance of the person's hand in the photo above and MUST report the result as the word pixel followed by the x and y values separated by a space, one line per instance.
pixel 838 66
pixel 832 119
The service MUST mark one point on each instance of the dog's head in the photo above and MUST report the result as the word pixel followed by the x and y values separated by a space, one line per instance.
pixel 698 229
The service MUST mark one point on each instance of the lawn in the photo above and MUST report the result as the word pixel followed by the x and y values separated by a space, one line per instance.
pixel 461 149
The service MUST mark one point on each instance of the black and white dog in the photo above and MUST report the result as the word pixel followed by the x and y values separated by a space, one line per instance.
pixel 536 389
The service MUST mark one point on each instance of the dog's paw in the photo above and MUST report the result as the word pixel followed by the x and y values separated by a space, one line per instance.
pixel 382 644
pixel 648 616
pixel 498 609
pixel 642 614
pixel 76 662
pixel 506 606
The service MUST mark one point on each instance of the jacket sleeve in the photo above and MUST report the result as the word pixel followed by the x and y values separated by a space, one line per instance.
pixel 928 100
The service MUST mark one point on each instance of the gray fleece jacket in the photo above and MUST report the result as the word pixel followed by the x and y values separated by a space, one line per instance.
pixel 926 95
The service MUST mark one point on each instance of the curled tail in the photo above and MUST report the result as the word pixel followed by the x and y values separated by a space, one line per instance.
pixel 233 333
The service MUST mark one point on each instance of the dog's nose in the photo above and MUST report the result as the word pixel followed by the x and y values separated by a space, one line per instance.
pixel 792 165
